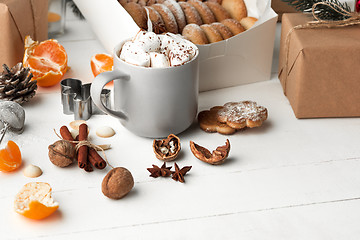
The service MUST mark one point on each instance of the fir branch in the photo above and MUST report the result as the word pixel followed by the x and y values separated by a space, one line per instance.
pixel 75 9
pixel 335 11
pixel 330 9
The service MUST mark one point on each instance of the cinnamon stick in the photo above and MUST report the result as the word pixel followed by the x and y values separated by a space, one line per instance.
pixel 83 150
pixel 88 167
pixel 65 134
pixel 96 160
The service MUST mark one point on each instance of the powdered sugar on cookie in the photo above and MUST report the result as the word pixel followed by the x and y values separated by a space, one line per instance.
pixel 232 116
pixel 235 114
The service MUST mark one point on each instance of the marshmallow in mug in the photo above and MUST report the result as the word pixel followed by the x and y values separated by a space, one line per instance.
pixel 148 49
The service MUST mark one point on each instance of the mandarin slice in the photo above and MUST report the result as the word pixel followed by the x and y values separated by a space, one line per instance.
pixel 34 201
pixel 47 61
pixel 10 157
pixel 101 63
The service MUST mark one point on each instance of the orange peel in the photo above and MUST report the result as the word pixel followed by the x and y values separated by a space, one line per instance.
pixel 34 201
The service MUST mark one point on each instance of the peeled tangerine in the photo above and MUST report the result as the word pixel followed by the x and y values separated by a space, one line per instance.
pixel 47 61
pixel 34 201
pixel 10 157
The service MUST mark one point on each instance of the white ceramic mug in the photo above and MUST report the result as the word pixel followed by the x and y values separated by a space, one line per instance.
pixel 151 102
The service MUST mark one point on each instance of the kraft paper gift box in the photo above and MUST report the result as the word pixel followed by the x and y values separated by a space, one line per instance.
pixel 318 68
pixel 19 18
pixel 245 58
pixel 281 7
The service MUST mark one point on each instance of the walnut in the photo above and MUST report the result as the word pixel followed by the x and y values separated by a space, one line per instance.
pixel 167 149
pixel 62 153
pixel 217 157
pixel 117 183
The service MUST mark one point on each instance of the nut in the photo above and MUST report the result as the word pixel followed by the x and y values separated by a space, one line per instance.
pixel 117 183
pixel 217 157
pixel 61 153
pixel 167 149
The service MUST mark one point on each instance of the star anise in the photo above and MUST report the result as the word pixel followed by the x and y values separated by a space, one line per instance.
pixel 179 174
pixel 159 172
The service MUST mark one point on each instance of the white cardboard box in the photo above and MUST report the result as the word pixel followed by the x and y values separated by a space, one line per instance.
pixel 244 58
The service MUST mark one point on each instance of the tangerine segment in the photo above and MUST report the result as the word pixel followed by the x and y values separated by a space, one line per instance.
pixel 47 61
pixel 34 201
pixel 101 63
pixel 10 157
pixel 52 51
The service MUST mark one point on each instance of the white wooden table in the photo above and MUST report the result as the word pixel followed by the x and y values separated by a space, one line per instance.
pixel 290 179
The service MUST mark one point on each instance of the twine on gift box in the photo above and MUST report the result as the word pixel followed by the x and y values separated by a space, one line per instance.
pixel 350 19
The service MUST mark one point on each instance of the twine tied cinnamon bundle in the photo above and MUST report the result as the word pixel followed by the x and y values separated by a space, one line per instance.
pixel 87 155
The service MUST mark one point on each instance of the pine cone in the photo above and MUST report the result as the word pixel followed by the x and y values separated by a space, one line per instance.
pixel 16 84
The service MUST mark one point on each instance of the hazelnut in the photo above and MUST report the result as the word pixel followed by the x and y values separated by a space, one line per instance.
pixel 167 149
pixel 62 153
pixel 117 183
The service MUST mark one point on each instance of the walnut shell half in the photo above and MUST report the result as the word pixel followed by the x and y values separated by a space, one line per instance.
pixel 217 157
pixel 167 149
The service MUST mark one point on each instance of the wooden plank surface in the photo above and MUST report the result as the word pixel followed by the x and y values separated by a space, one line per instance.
pixel 289 179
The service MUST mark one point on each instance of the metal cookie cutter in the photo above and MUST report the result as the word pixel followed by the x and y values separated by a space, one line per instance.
pixel 76 99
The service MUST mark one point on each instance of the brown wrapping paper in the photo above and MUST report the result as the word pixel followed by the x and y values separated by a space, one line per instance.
pixel 281 7
pixel 322 77
pixel 19 18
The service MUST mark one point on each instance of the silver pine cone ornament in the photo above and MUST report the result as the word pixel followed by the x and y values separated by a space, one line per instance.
pixel 16 84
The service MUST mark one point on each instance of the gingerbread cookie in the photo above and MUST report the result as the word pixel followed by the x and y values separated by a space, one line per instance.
pixel 242 114
pixel 167 16
pixel 248 22
pixel 217 1
pixel 177 12
pixel 234 26
pixel 205 13
pixel 195 34
pixel 223 30
pixel 211 33
pixel 191 14
pixel 219 12
pixel 142 2
pixel 150 2
pixel 236 8
pixel 123 2
pixel 209 123
pixel 156 19
pixel 232 116
pixel 138 13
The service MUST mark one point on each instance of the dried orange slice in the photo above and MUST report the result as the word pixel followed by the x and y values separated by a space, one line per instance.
pixel 47 61
pixel 10 157
pixel 101 63
pixel 34 201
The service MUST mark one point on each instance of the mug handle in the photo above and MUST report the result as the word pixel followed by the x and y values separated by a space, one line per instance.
pixel 97 86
